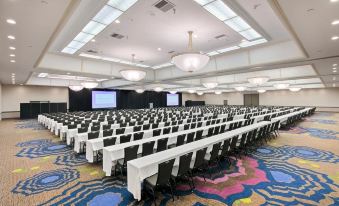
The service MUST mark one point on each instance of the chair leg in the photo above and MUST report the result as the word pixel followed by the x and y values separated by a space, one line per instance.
pixel 170 186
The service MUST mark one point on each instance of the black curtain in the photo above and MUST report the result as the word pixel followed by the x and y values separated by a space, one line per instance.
pixel 126 99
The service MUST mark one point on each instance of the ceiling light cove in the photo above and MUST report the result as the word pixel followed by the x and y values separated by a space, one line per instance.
pixel 240 89
pixel 11 21
pixel 210 85
pixel 108 14
pixel 258 80
pixel 281 86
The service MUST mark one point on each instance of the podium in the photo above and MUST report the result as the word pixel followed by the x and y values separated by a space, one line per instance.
pixel 34 108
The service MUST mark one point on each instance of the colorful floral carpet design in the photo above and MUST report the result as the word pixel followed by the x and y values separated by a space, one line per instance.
pixel 300 167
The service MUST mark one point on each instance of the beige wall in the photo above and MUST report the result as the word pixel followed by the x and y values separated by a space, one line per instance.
pixel 327 99
pixel 13 95
pixel 0 102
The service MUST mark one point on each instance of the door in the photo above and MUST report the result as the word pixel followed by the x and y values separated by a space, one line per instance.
pixel 251 99
pixel 225 102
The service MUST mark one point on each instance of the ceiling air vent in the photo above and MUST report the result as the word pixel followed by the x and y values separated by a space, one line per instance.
pixel 171 52
pixel 164 5
pixel 117 36
pixel 92 51
pixel 220 36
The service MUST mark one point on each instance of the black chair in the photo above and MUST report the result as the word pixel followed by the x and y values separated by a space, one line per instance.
pixel 131 124
pixel 93 135
pixel 210 131
pixel 212 157
pixel 109 141
pixel 216 130
pixel 95 128
pixel 125 138
pixel 136 128
pixel 222 128
pixel 225 150
pixel 138 136
pixel 175 129
pixel 190 137
pixel 120 131
pixel 186 126
pixel 193 125
pixel 123 124
pixel 156 132
pixel 130 153
pixel 146 127
pixel 183 170
pixel 174 123
pixel 107 133
pixel 155 125
pixel 162 144
pixel 199 124
pixel 199 165
pixel 161 179
pixel 167 124
pixel 166 130
pixel 107 126
pixel 147 148
pixel 180 140
pixel 198 135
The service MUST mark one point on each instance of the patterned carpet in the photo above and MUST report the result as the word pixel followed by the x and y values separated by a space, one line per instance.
pixel 301 167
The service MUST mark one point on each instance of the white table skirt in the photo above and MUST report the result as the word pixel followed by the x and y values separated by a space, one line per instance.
pixel 141 168
pixel 113 153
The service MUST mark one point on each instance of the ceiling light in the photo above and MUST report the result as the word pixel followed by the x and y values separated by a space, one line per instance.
pixel 12 48
pixel 212 53
pixel 191 91
pixel 43 75
pixel 240 89
pixel 252 43
pixel 107 15
pixel 334 71
pixel 258 80
pixel 133 74
pixel 334 65
pixel 68 73
pixel 237 24
pixel 93 40
pixel 210 85
pixel 75 44
pixel 281 86
pixel 69 50
pixel 11 21
pixel 334 68
pixel 334 0
pixel 89 85
pixel 158 89
pixel 159 49
pixel 172 92
pixel 83 37
pixel 261 90
pixel 117 21
pixel 250 34
pixel 13 61
pixel 190 61
pixel 195 36
pixel 228 49
pixel 217 92
pixel 334 78
pixel 295 89
pixel 12 55
pixel 21 84
pixel 139 91
pixel 220 10
pixel 203 2
pixel 335 37
pixel 335 22
pixel 94 28
pixel 11 37
pixel 122 5
pixel 333 85
pixel 200 93
pixel 76 88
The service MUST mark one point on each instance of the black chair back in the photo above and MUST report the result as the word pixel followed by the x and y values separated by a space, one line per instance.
pixel 175 129
pixel 225 147
pixel 193 125
pixel 210 131
pixel 156 132
pixel 155 125
pixel 166 130
pixel 131 153
pixel 107 126
pixel 215 151
pixel 107 133
pixel 164 172
pixel 190 137
pixel 125 138
pixel 82 129
pixel 222 128
pixel 199 124
pixel 136 128
pixel 120 131
pixel 216 130
pixel 162 144
pixel 71 126
pixel 198 135
pixel 186 126
pixel 138 136
pixel 147 148
pixel 180 140
pixel 200 158
pixel 184 163
pixel 109 141
pixel 146 127
pixel 93 135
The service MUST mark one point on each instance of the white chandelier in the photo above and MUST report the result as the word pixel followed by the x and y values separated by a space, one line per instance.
pixel 89 85
pixel 139 91
pixel 258 80
pixel 295 89
pixel 281 86
pixel 200 93
pixel 133 75
pixel 76 88
pixel 172 92
pixel 190 61
pixel 210 85
pixel 217 92
pixel 240 89
pixel 261 90
pixel 191 91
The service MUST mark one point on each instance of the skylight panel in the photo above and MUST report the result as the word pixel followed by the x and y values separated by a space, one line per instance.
pixel 122 5
pixel 228 49
pixel 76 45
pixel 212 53
pixel 203 2
pixel 69 50
pixel 83 37
pixel 250 34
pixel 220 10
pixel 94 28
pixel 237 24
pixel 107 15
pixel 251 43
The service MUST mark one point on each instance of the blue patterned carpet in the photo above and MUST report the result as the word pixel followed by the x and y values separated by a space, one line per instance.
pixel 300 167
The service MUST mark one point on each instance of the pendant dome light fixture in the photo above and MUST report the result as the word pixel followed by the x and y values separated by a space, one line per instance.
pixel 89 85
pixel 190 61
pixel 133 75
pixel 172 92
pixel 139 91
pixel 76 88
pixel 258 80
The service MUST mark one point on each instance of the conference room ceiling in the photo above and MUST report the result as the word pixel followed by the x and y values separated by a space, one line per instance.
pixel 298 34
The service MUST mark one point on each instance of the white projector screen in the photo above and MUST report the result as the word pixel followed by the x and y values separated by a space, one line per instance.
pixel 104 99
pixel 172 99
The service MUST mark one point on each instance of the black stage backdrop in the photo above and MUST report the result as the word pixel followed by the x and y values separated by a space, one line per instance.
pixel 126 99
